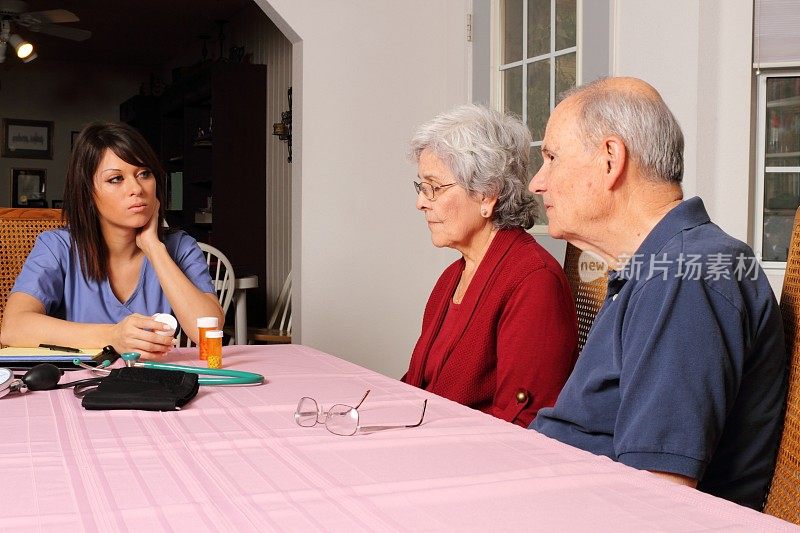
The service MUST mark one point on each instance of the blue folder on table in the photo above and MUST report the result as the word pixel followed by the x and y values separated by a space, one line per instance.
pixel 11 357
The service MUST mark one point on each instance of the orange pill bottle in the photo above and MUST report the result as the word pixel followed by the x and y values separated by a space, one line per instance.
pixel 214 344
pixel 204 325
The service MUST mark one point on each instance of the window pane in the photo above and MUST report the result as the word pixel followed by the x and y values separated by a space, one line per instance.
pixel 536 159
pixel 566 13
pixel 535 165
pixel 538 27
pixel 565 73
pixel 783 122
pixel 781 199
pixel 538 97
pixel 788 159
pixel 512 30
pixel 512 90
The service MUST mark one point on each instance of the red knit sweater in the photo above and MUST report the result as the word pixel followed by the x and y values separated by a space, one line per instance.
pixel 516 335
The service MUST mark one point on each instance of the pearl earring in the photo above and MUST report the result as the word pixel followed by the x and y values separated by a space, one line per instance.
pixel 484 212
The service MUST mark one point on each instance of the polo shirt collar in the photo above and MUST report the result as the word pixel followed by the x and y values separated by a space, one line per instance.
pixel 686 215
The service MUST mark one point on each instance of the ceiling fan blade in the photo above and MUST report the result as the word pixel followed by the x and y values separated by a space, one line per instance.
pixel 66 32
pixel 52 16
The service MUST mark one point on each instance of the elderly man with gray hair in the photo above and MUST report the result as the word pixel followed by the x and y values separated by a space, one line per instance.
pixel 684 370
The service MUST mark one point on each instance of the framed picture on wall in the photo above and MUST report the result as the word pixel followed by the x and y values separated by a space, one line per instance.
pixel 27 139
pixel 28 187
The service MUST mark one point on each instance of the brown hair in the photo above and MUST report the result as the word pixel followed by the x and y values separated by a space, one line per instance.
pixel 80 212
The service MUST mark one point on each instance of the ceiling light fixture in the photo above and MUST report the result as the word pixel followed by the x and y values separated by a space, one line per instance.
pixel 23 47
pixel 14 14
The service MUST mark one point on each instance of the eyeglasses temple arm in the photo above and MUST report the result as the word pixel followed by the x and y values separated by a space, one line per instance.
pixel 378 428
pixel 422 417
pixel 362 399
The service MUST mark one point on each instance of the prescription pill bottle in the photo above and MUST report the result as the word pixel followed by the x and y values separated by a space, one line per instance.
pixel 204 325
pixel 214 345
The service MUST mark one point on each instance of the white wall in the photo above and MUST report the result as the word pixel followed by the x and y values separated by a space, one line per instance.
pixel 365 74
pixel 658 42
pixel 68 94
pixel 699 56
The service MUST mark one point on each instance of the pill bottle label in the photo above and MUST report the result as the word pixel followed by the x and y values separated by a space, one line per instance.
pixel 214 345
pixel 204 325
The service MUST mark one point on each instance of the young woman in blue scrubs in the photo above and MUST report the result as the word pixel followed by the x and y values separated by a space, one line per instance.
pixel 99 280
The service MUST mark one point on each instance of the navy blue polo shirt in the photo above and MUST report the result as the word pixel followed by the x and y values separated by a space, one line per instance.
pixel 684 369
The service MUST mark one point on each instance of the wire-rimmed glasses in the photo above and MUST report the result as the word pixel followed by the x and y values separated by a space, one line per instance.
pixel 430 190
pixel 341 419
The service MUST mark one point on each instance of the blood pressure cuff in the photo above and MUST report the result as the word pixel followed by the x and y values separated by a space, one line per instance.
pixel 144 389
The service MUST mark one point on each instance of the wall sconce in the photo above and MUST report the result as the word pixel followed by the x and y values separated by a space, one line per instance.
pixel 283 129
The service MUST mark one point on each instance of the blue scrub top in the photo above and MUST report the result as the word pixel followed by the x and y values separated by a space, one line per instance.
pixel 684 369
pixel 52 274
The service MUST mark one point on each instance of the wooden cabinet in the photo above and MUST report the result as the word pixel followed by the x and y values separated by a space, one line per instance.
pixel 210 130
pixel 142 113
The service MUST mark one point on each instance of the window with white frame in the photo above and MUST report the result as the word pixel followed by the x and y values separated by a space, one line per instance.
pixel 538 52
pixel 776 50
pixel 778 162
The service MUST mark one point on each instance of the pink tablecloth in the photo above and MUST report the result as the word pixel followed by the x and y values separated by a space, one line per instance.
pixel 234 460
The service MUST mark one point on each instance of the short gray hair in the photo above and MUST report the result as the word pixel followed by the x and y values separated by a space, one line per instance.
pixel 488 152
pixel 645 124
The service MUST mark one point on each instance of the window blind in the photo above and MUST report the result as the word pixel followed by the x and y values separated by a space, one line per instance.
pixel 776 33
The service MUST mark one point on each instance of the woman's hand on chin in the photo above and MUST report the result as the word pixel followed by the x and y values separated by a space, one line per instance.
pixel 147 237
pixel 137 333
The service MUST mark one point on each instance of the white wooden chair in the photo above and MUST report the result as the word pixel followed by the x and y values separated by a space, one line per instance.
pixel 222 274
pixel 223 277
pixel 279 327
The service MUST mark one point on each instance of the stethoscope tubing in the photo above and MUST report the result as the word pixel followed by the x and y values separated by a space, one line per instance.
pixel 239 376
pixel 226 377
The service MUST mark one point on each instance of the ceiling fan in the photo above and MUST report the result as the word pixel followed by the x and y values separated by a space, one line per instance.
pixel 14 12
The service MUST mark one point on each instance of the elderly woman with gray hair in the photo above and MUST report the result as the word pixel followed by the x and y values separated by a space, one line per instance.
pixel 499 333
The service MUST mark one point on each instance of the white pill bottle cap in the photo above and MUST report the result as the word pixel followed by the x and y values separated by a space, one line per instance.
pixel 208 322
pixel 169 320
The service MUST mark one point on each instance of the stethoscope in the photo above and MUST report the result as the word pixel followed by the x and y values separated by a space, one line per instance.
pixel 224 376
pixel 45 376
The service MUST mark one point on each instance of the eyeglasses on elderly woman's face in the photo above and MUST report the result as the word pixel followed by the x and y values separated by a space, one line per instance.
pixel 430 190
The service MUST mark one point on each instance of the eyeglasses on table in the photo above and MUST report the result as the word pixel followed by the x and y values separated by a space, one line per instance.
pixel 341 419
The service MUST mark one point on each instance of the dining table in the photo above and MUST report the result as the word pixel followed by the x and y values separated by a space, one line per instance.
pixel 235 459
